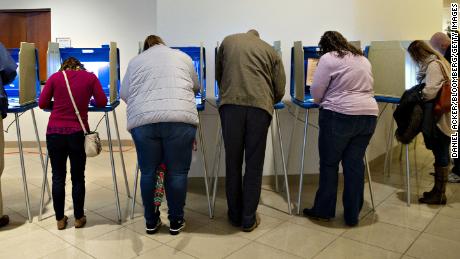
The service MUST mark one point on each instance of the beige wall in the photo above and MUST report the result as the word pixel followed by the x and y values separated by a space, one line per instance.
pixel 183 22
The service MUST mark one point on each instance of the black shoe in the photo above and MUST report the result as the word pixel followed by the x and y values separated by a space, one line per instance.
pixel 4 220
pixel 234 223
pixel 176 226
pixel 310 214
pixel 351 223
pixel 153 228
pixel 254 225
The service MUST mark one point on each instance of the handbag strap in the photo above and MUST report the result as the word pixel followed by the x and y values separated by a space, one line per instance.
pixel 73 103
pixel 444 73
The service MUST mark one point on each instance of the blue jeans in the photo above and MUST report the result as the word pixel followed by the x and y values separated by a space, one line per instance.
pixel 171 143
pixel 342 138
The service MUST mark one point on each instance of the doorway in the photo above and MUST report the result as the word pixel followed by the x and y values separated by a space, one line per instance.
pixel 32 26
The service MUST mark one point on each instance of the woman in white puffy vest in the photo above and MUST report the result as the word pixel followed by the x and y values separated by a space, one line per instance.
pixel 159 89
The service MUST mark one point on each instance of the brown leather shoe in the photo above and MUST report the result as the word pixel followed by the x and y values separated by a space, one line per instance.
pixel 62 224
pixel 81 222
pixel 4 220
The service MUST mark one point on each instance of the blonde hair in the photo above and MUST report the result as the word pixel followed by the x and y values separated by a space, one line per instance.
pixel 420 51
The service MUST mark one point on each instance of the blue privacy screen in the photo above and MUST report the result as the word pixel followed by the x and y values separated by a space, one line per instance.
pixel 97 61
pixel 194 53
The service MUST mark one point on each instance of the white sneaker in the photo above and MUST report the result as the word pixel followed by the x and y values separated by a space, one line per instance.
pixel 453 178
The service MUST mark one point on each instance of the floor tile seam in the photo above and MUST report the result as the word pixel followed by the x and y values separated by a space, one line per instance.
pixel 65 241
pixel 202 227
pixel 179 250
pixel 378 246
pixel 276 248
pixel 422 232
pixel 237 250
pixel 325 247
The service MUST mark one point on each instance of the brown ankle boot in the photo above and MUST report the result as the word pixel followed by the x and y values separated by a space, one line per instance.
pixel 438 194
pixel 61 224
pixel 81 222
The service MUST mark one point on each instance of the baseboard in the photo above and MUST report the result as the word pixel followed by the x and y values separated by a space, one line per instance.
pixel 33 144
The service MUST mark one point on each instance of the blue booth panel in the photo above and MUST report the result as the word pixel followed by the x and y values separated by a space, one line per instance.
pixel 12 89
pixel 309 53
pixel 195 55
pixel 97 61
pixel 366 51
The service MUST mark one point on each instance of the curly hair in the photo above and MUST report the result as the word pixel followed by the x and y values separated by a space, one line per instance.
pixel 334 41
pixel 72 63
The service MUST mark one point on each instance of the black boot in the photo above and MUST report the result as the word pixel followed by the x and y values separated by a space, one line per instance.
pixel 438 194
pixel 436 183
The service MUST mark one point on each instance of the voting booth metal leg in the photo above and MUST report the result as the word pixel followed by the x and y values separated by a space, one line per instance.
pixel 40 152
pixel 407 174
pixel 302 159
pixel 286 179
pixel 136 179
pixel 389 151
pixel 216 166
pixel 44 183
pixel 368 171
pixel 115 121
pixel 23 169
pixel 205 166
pixel 112 162
pixel 275 168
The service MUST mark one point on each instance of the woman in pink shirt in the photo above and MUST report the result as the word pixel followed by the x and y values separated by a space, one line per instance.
pixel 343 87
pixel 64 135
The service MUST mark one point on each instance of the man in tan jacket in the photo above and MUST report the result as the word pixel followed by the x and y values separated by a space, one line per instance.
pixel 251 79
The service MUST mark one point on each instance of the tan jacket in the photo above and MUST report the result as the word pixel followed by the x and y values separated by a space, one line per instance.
pixel 434 80
pixel 249 72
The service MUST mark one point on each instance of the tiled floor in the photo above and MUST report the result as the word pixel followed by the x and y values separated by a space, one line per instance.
pixel 393 231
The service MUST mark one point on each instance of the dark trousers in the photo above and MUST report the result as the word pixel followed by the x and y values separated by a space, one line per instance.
pixel 61 147
pixel 440 149
pixel 342 138
pixel 171 143
pixel 244 131
pixel 456 168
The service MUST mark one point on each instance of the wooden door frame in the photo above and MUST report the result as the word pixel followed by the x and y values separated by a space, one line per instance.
pixel 24 10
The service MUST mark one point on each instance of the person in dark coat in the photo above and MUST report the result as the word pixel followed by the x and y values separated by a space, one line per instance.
pixel 7 75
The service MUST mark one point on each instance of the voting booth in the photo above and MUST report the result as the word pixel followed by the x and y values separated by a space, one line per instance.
pixel 394 72
pixel 22 94
pixel 198 56
pixel 276 138
pixel 393 69
pixel 304 61
pixel 104 62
